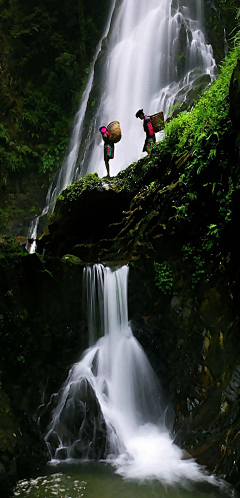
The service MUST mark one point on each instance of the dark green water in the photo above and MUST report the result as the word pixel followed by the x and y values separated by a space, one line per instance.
pixel 98 480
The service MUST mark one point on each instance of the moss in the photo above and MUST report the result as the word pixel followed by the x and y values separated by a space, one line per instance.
pixel 87 183
pixel 72 260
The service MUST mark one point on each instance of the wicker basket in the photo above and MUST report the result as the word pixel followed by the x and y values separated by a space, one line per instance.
pixel 157 121
pixel 114 131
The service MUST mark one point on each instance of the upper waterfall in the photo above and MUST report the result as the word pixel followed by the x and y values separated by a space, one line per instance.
pixel 153 51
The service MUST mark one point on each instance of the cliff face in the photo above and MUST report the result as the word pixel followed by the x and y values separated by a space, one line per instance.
pixel 42 323
pixel 220 25
pixel 45 56
pixel 172 217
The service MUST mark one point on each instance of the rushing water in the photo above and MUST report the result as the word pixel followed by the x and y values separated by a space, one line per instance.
pixel 138 458
pixel 143 69
pixel 151 53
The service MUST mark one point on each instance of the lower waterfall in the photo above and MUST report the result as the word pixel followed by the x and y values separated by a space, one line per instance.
pixel 110 407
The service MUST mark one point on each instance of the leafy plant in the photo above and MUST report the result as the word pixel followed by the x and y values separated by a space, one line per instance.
pixel 163 277
pixel 45 54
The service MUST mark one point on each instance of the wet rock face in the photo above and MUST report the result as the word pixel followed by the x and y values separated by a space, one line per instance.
pixel 192 94
pixel 68 231
pixel 79 430
pixel 220 23
pixel 191 339
pixel 233 388
pixel 39 340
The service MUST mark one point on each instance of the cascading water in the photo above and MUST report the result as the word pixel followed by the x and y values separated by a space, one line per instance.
pixel 112 396
pixel 151 54
pixel 156 51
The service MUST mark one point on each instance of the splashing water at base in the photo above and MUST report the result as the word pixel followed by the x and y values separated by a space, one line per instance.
pixel 114 386
pixel 152 455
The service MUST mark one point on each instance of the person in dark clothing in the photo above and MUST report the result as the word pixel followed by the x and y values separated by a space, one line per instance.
pixel 148 128
pixel 108 147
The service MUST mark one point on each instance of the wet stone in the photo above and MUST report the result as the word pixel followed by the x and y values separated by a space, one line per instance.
pixel 61 454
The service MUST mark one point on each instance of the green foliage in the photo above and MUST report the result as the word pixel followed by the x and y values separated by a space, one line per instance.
pixel 236 35
pixel 200 130
pixel 200 148
pixel 72 192
pixel 45 51
pixel 53 157
pixel 163 277
pixel 71 259
pixel 196 256
pixel 194 140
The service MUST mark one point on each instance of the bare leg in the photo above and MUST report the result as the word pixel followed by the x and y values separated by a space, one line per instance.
pixel 107 167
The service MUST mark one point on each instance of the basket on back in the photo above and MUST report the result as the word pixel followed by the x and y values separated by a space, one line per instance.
pixel 114 131
pixel 157 121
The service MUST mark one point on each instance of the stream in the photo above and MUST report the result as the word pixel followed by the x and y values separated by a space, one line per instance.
pixel 98 480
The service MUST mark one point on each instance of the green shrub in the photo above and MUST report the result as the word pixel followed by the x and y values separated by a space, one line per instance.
pixel 163 277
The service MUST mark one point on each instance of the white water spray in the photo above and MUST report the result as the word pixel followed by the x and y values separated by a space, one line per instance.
pixel 156 51
pixel 122 381
pixel 151 54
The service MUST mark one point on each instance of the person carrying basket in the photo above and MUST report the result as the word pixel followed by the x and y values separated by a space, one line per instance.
pixel 108 147
pixel 111 134
pixel 148 128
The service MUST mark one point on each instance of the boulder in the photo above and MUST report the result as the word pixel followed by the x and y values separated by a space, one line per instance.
pixel 80 426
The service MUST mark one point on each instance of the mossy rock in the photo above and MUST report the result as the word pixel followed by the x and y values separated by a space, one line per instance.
pixel 71 259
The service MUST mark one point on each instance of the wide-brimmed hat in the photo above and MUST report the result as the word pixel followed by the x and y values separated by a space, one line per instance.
pixel 139 113
pixel 102 129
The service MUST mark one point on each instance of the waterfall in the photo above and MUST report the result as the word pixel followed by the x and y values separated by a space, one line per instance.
pixel 156 50
pixel 151 54
pixel 112 396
